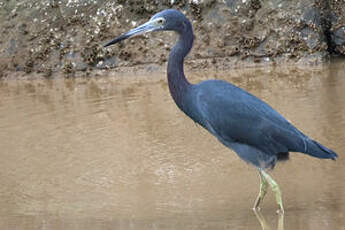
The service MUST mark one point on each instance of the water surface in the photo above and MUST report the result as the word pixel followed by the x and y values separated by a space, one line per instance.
pixel 116 153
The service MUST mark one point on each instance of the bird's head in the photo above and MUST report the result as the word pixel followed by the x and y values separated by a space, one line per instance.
pixel 170 19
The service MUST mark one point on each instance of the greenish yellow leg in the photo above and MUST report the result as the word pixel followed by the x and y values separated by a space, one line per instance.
pixel 263 191
pixel 275 189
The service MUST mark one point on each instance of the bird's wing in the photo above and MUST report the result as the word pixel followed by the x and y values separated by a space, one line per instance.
pixel 234 115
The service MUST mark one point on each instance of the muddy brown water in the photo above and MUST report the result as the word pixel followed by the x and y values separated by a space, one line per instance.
pixel 116 153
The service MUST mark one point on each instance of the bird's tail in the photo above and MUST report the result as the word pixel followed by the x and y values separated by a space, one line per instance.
pixel 315 149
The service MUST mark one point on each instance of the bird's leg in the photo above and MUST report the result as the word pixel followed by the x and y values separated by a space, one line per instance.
pixel 262 193
pixel 275 189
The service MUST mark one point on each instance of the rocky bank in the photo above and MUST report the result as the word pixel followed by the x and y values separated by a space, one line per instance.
pixel 54 36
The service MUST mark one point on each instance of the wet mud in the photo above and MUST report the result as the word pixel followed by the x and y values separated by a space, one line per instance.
pixel 48 37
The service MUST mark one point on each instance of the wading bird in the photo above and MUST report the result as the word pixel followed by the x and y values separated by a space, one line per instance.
pixel 242 122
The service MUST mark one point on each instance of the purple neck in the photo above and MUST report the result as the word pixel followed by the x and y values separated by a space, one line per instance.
pixel 178 84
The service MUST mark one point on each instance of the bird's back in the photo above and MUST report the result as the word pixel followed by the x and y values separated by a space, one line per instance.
pixel 249 126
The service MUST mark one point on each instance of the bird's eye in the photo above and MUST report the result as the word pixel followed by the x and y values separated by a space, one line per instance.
pixel 160 21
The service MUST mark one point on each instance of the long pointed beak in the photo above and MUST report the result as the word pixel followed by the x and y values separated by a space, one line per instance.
pixel 144 28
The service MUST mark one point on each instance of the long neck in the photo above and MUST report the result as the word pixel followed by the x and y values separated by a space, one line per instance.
pixel 178 84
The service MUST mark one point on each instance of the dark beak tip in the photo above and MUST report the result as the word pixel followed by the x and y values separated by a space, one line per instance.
pixel 109 44
pixel 116 40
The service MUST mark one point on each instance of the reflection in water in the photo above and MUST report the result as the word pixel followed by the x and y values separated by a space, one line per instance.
pixel 116 153
pixel 265 225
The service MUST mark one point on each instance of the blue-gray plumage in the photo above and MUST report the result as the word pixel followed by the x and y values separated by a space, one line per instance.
pixel 241 121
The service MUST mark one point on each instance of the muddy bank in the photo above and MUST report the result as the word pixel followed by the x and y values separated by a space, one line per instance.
pixel 67 36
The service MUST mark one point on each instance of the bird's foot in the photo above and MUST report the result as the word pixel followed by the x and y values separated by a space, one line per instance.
pixel 280 203
pixel 280 210
pixel 256 209
pixel 257 203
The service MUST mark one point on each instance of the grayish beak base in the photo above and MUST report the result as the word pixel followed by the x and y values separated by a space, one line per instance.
pixel 144 28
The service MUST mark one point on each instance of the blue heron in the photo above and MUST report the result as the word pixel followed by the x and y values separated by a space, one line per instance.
pixel 242 122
